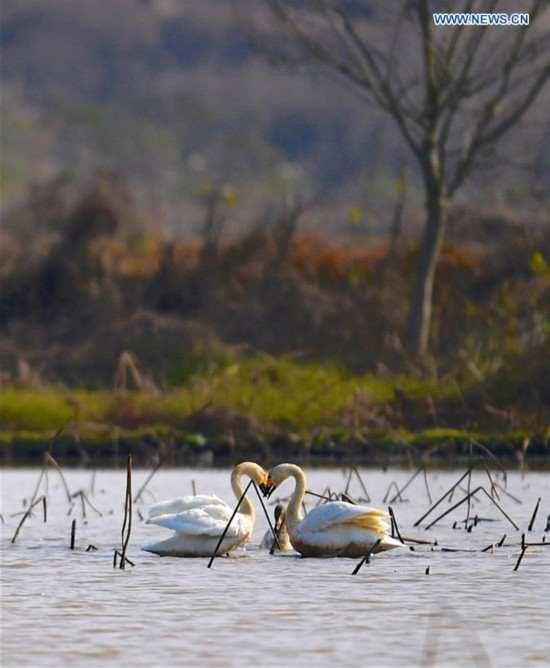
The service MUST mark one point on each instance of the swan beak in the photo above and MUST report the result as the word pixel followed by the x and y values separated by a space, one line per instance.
pixel 267 488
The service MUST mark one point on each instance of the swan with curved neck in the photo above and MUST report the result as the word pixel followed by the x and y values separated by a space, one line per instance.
pixel 199 521
pixel 335 529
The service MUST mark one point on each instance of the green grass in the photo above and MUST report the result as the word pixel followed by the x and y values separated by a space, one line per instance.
pixel 278 391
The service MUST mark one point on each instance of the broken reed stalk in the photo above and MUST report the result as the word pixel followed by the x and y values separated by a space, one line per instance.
pixel 215 553
pixel 275 536
pixel 42 474
pixel 404 486
pixel 421 469
pixel 469 497
pixel 367 495
pixel 83 505
pixel 478 489
pixel 142 488
pixel 394 525
pixel 493 484
pixel 118 553
pixel 490 454
pixel 397 496
pixel 127 524
pixel 349 480
pixel 44 471
pixel 523 549
pixel 41 499
pixel 50 460
pixel 366 558
pixel 530 528
pixel 84 500
pixel 434 506
pixel 87 500
pixel 73 533
pixel 426 484
pixel 502 489
pixel 321 496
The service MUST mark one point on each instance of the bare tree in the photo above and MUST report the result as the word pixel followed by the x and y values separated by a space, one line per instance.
pixel 453 92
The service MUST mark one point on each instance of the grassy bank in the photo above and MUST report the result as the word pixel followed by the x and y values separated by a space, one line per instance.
pixel 267 407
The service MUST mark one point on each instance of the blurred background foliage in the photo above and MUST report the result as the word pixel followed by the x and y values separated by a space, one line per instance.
pixel 175 211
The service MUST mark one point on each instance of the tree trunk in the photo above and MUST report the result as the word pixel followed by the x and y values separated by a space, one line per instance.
pixel 420 313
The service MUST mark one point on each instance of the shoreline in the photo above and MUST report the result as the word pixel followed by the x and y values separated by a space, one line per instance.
pixel 150 449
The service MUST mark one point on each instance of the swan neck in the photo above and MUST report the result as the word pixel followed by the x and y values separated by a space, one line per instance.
pixel 246 507
pixel 294 511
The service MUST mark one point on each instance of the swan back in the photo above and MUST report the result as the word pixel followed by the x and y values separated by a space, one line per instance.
pixel 335 529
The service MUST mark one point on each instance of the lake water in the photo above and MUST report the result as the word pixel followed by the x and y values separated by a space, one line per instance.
pixel 445 605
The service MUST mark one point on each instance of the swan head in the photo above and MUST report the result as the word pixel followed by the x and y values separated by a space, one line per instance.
pixel 266 488
pixel 254 471
pixel 280 514
pixel 275 477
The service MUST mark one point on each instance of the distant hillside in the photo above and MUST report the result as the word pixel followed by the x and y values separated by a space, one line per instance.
pixel 173 95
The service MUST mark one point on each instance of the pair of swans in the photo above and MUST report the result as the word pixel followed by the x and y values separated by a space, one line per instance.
pixel 336 529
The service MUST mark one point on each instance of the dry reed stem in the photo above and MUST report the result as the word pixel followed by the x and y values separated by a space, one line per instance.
pixel 434 506
pixel 148 480
pixel 73 533
pixel 48 459
pixel 366 558
pixel 394 525
pixel 29 511
pixel 508 493
pixel 397 496
pixel 419 541
pixel 531 523
pixel 322 497
pixel 478 489
pixel 275 543
pixel 421 469
pixel 518 562
pixel 353 469
pixel 127 523
pixel 123 559
pixel 215 553
pixel 493 456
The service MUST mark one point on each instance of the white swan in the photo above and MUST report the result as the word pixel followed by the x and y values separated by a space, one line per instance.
pixel 199 521
pixel 335 529
pixel 281 532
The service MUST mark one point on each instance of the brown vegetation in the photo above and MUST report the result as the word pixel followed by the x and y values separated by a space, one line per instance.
pixel 73 303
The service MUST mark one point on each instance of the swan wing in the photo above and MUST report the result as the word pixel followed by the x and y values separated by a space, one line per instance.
pixel 337 513
pixel 205 521
pixel 182 503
